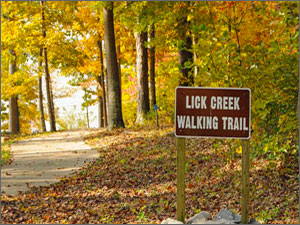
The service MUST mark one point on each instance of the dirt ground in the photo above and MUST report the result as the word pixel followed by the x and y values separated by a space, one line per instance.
pixel 44 160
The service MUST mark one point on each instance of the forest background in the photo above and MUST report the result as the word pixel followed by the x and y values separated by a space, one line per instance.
pixel 246 44
pixel 156 47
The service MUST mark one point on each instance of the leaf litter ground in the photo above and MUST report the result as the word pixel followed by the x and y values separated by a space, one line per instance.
pixel 134 181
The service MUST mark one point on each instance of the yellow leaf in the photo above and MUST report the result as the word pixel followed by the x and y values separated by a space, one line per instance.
pixel 239 150
pixel 219 44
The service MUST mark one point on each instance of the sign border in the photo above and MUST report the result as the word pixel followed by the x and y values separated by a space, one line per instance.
pixel 219 137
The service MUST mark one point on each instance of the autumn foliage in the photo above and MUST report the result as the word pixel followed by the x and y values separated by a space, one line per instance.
pixel 229 44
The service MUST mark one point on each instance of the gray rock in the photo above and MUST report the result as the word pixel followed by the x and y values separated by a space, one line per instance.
pixel 199 218
pixel 171 221
pixel 224 214
pixel 253 221
pixel 236 218
pixel 220 221
pixel 228 215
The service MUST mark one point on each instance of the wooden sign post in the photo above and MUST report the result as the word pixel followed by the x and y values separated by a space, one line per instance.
pixel 245 180
pixel 214 113
pixel 180 146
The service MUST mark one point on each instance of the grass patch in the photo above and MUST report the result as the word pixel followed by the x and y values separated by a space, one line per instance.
pixel 5 154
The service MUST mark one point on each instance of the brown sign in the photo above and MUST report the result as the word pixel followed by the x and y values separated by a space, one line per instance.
pixel 212 112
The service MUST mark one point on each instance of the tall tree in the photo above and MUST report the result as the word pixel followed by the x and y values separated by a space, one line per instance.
pixel 51 111
pixel 14 124
pixel 152 65
pixel 41 107
pixel 18 83
pixel 86 105
pixel 141 36
pixel 100 111
pixel 142 77
pixel 185 45
pixel 102 99
pixel 118 51
pixel 115 118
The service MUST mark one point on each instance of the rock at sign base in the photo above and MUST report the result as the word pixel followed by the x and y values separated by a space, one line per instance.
pixel 253 221
pixel 199 218
pixel 171 221
pixel 228 215
pixel 220 221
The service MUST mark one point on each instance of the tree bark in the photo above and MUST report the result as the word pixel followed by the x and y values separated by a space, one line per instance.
pixel 48 79
pixel 186 57
pixel 49 96
pixel 152 67
pixel 87 117
pixel 14 123
pixel 102 84
pixel 104 91
pixel 119 66
pixel 100 112
pixel 41 107
pixel 229 56
pixel 196 68
pixel 237 37
pixel 115 118
pixel 118 51
pixel 185 54
pixel 298 105
pixel 142 77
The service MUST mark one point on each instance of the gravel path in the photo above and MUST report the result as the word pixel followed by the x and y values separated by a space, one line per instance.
pixel 44 160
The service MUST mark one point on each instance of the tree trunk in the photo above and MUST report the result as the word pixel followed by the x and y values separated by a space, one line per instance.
pixel 100 104
pixel 102 84
pixel 87 117
pixel 229 57
pixel 41 107
pixel 118 51
pixel 152 67
pixel 142 77
pixel 298 105
pixel 196 68
pixel 119 66
pixel 185 54
pixel 14 124
pixel 104 90
pixel 186 60
pixel 106 87
pixel 100 112
pixel 49 96
pixel 115 118
pixel 237 37
pixel 48 88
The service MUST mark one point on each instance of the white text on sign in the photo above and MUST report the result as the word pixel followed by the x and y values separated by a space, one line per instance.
pixel 212 122
pixel 216 102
